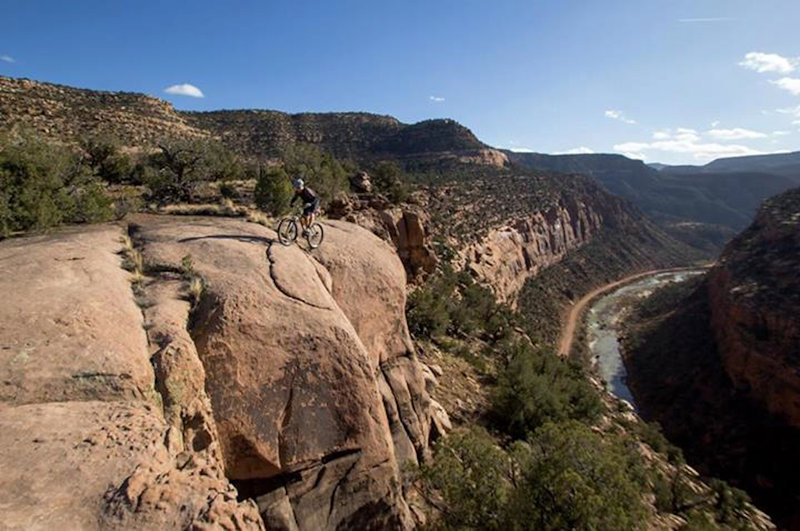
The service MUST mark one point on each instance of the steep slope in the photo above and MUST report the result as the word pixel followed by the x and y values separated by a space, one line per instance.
pixel 292 376
pixel 704 209
pixel 716 362
pixel 508 226
pixel 755 304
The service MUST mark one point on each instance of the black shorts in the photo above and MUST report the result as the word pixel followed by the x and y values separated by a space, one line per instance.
pixel 311 208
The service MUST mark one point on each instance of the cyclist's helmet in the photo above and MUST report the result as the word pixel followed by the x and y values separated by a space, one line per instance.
pixel 297 182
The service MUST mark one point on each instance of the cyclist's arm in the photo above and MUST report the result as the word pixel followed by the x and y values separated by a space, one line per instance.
pixel 296 195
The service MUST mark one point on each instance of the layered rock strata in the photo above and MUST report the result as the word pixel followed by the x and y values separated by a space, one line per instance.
pixel 507 256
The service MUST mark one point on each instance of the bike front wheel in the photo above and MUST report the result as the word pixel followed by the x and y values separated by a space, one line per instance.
pixel 315 235
pixel 287 231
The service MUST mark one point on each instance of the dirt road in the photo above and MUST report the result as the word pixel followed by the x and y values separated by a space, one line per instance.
pixel 568 328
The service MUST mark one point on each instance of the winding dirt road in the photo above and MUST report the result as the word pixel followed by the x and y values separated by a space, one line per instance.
pixel 568 328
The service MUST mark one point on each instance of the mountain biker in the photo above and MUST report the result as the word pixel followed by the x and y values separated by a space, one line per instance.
pixel 310 202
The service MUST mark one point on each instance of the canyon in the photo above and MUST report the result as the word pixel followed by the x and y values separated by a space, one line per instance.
pixel 715 361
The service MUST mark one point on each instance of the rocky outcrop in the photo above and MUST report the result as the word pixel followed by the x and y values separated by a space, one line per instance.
pixel 506 257
pixel 85 443
pixel 755 302
pixel 405 226
pixel 287 382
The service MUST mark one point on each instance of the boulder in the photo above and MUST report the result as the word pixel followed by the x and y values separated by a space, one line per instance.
pixel 361 183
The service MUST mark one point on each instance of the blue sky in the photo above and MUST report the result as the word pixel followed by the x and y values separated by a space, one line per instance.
pixel 669 81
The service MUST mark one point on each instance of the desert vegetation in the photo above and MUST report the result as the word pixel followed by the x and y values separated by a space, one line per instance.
pixel 548 451
pixel 43 185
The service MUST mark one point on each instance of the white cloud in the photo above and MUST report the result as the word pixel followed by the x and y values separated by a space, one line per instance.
pixel 635 156
pixel 794 111
pixel 683 141
pixel 619 115
pixel 7 59
pixel 792 84
pixel 736 133
pixel 582 150
pixel 437 99
pixel 185 89
pixel 684 134
pixel 781 133
pixel 709 19
pixel 768 62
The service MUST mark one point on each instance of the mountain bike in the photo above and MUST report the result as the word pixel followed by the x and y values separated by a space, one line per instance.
pixel 289 229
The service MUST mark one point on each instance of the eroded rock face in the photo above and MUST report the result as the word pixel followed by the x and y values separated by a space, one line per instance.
pixel 293 380
pixel 506 257
pixel 406 227
pixel 755 303
pixel 316 393
pixel 84 442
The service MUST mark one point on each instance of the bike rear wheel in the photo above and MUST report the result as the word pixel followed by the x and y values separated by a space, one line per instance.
pixel 315 235
pixel 287 231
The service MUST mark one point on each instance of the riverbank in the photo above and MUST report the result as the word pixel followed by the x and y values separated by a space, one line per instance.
pixel 575 314
pixel 604 322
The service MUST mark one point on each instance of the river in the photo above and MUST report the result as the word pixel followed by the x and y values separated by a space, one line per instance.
pixel 603 325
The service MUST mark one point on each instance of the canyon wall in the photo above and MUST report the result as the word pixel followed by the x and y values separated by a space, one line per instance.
pixel 507 256
pixel 755 303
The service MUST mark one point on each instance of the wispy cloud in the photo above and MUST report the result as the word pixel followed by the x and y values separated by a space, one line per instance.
pixel 7 59
pixel 686 141
pixel 794 111
pixel 707 19
pixel 185 89
pixel 582 150
pixel 736 133
pixel 769 62
pixel 619 115
pixel 791 84
pixel 437 99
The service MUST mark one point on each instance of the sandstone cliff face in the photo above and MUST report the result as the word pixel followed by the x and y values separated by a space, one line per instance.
pixel 292 379
pixel 755 307
pixel 406 227
pixel 84 442
pixel 508 256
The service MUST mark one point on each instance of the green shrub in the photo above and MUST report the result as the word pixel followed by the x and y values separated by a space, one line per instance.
pixel 173 172
pixel 44 185
pixel 273 191
pixel 471 475
pixel 565 477
pixel 426 314
pixel 320 170
pixel 388 178
pixel 573 478
pixel 106 161
pixel 536 386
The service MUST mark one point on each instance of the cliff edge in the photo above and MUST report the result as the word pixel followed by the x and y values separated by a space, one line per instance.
pixel 239 383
